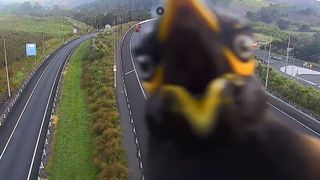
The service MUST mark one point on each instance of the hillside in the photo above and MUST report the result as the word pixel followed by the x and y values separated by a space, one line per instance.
pixel 65 3
pixel 27 29
pixel 243 6
pixel 301 4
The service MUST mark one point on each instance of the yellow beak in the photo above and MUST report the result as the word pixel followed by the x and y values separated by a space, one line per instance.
pixel 202 114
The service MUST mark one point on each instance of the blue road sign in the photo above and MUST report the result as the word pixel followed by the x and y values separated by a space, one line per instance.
pixel 31 49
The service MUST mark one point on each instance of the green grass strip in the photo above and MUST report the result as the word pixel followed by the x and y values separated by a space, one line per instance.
pixel 73 147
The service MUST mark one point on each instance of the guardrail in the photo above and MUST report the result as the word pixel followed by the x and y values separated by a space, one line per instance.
pixel 4 114
pixel 295 78
pixel 296 107
pixel 11 102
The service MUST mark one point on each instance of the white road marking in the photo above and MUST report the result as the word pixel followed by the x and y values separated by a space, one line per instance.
pixel 298 71
pixel 135 70
pixel 44 116
pixel 306 115
pixel 24 108
pixel 129 72
pixel 293 119
pixel 312 83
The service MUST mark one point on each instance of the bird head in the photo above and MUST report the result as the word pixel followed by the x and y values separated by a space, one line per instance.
pixel 193 62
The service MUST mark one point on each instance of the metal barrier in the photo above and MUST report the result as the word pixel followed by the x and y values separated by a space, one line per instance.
pixel 12 101
pixel 296 107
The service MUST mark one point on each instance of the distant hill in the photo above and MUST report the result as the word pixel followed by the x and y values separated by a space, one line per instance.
pixel 65 3
pixel 303 4
pixel 240 7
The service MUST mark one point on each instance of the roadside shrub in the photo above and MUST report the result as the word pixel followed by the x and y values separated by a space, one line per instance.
pixel 93 54
pixel 305 96
pixel 97 80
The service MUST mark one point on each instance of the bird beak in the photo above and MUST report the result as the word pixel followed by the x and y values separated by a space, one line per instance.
pixel 202 114
pixel 173 8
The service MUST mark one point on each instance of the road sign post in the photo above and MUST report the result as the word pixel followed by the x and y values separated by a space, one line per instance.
pixel 115 74
pixel 31 49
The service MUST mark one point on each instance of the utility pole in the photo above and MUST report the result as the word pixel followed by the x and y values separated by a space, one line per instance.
pixel 265 54
pixel 268 67
pixel 63 29
pixel 6 64
pixel 95 23
pixel 43 40
pixel 292 64
pixel 288 48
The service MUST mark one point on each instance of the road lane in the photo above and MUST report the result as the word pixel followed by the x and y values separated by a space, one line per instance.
pixel 135 95
pixel 23 134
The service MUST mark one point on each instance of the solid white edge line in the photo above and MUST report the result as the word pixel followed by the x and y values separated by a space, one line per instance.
pixel 134 67
pixel 293 119
pixel 312 83
pixel 44 117
pixel 24 108
pixel 306 115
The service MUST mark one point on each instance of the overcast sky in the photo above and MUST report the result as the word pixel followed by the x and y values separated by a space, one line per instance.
pixel 20 1
pixel 6 1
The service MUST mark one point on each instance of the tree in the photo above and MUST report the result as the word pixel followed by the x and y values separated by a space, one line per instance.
pixel 305 28
pixel 220 2
pixel 283 24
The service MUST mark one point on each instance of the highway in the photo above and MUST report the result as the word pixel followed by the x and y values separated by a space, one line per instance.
pixel 23 134
pixel 136 98
pixel 278 62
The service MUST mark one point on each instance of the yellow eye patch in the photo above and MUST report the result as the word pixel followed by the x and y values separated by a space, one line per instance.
pixel 238 66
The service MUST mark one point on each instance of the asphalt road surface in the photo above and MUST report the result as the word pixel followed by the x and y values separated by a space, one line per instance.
pixel 23 134
pixel 137 97
pixel 279 61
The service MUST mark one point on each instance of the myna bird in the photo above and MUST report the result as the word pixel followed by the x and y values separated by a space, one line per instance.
pixel 206 111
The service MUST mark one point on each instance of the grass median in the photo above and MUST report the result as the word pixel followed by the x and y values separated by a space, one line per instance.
pixel 88 138
pixel 73 145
